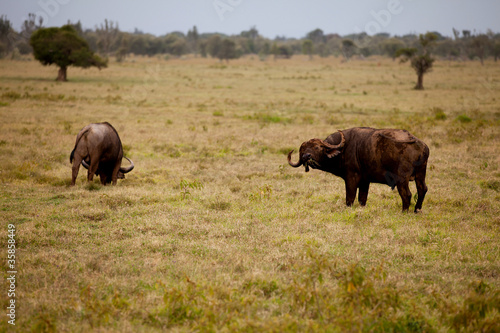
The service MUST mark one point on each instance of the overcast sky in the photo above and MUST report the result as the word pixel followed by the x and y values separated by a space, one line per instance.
pixel 290 18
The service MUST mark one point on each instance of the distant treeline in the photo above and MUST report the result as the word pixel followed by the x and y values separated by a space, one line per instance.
pixel 109 41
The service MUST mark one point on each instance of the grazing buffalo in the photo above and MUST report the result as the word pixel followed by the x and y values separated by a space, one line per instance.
pixel 363 155
pixel 99 149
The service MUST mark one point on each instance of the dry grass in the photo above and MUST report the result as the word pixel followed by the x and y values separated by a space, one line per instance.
pixel 213 231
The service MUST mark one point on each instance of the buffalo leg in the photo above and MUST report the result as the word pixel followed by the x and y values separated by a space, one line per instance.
pixel 421 190
pixel 404 192
pixel 114 175
pixel 94 164
pixel 76 167
pixel 350 190
pixel 363 193
pixel 103 178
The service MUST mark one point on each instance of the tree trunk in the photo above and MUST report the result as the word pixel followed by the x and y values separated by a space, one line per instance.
pixel 420 82
pixel 61 75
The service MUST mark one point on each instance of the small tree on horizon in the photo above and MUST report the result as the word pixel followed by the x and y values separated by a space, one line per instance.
pixel 227 50
pixel 214 44
pixel 192 37
pixel 108 33
pixel 6 31
pixel 63 47
pixel 316 36
pixel 348 48
pixel 496 50
pixel 422 63
pixel 307 48
pixel 391 46
pixel 223 49
pixel 478 46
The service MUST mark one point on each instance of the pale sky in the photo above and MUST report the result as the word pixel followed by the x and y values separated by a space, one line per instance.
pixel 290 18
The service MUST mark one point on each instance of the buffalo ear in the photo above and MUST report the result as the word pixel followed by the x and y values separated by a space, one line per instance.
pixel 330 153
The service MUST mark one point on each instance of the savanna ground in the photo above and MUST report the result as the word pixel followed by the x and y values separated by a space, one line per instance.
pixel 213 231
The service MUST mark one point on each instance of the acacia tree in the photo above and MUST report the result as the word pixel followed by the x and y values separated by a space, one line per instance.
pixel 421 63
pixel 63 47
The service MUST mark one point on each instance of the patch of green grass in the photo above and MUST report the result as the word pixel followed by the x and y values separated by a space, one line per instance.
pixel 92 186
pixel 464 118
pixel 490 184
pixel 11 95
pixel 219 204
pixel 266 118
pixel 45 97
pixel 285 150
pixel 438 113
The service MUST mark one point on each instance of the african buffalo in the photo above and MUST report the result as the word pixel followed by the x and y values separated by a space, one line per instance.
pixel 99 149
pixel 363 155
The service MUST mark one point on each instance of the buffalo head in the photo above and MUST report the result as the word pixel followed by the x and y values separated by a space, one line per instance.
pixel 121 172
pixel 316 152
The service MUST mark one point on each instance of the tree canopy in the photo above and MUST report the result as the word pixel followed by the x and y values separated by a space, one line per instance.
pixel 109 41
pixel 63 47
pixel 221 48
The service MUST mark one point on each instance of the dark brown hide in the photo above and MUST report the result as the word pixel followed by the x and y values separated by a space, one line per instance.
pixel 99 147
pixel 386 156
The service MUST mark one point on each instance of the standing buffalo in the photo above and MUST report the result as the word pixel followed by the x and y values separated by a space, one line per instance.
pixel 363 155
pixel 99 149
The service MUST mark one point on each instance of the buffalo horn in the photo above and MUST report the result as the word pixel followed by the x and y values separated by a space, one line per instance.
pixel 85 165
pixel 340 145
pixel 122 170
pixel 125 170
pixel 299 163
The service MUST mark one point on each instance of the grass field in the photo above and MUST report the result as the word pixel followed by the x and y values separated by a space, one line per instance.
pixel 213 231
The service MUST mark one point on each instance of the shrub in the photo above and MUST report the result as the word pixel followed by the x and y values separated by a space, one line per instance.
pixel 438 113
